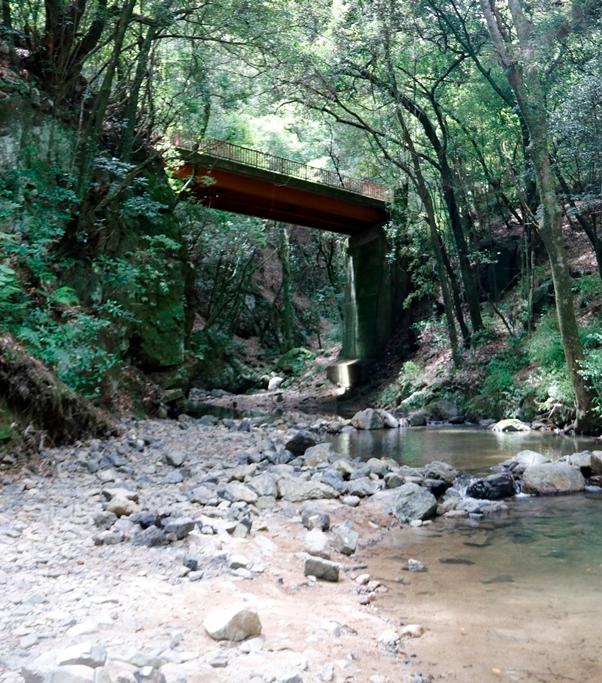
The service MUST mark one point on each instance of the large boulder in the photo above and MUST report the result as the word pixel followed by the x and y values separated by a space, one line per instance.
pixel 368 419
pixel 553 477
pixel 510 425
pixel 233 623
pixel 493 487
pixel 414 502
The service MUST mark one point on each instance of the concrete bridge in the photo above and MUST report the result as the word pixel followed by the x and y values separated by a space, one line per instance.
pixel 241 180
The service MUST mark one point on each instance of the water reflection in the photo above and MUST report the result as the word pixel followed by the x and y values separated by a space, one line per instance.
pixel 466 448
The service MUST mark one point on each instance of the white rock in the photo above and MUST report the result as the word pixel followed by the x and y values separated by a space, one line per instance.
pixel 412 631
pixel 274 383
pixel 86 654
pixel 316 543
pixel 234 623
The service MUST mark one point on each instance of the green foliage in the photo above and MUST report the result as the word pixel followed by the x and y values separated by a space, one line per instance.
pixel 295 361
pixel 71 347
pixel 409 379
pixel 501 394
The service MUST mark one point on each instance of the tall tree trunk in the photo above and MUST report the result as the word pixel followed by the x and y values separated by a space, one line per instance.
pixel 94 129
pixel 127 141
pixel 523 75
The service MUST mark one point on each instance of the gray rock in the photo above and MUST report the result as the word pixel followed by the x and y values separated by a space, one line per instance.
pixel 389 421
pixel 204 495
pixel 298 490
pixel 332 477
pixel 149 674
pixel 494 487
pixel 525 459
pixel 318 454
pixel 368 419
pixel 300 442
pixel 150 537
pixel 321 569
pixel 351 501
pixel 362 487
pixel 175 458
pixel 312 518
pixel 180 527
pixel 393 480
pixel 345 539
pixel 234 623
pixel 551 478
pixel 263 485
pixel 86 654
pixel 414 502
pixel 418 418
pixel 109 537
pixel 235 492
pixel 440 470
pixel 104 519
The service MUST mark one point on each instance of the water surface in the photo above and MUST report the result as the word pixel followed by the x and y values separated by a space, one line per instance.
pixel 466 448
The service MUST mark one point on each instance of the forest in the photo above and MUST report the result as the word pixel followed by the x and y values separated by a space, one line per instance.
pixel 483 120
pixel 300 341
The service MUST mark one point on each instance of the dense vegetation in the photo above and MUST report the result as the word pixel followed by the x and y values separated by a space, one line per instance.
pixel 485 117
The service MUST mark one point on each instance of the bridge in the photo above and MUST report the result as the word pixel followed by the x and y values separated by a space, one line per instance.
pixel 234 178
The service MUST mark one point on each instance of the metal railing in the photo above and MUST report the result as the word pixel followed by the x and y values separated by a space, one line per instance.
pixel 229 151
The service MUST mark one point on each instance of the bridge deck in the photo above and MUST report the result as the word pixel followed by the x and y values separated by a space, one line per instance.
pixel 242 180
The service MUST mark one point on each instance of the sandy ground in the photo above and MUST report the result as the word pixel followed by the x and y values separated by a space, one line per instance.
pixel 139 602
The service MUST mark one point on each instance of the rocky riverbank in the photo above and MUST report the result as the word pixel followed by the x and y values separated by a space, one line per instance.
pixel 215 550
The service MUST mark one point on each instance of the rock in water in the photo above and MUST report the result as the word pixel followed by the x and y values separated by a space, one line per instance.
pixel 233 623
pixel 553 477
pixel 414 502
pixel 523 460
pixel 368 419
pixel 493 487
pixel 321 569
pixel 510 425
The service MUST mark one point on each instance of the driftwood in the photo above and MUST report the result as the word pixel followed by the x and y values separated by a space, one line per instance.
pixel 45 404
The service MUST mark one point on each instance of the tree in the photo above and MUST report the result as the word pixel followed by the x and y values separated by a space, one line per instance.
pixel 515 40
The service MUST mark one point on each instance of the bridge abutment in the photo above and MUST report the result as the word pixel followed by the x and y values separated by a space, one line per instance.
pixel 368 316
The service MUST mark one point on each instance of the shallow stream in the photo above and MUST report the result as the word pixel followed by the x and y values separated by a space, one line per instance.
pixel 516 597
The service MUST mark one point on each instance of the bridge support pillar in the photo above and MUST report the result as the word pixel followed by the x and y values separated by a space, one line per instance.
pixel 368 317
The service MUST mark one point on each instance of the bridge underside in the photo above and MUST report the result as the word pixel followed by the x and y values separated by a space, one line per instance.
pixel 370 306
pixel 230 186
